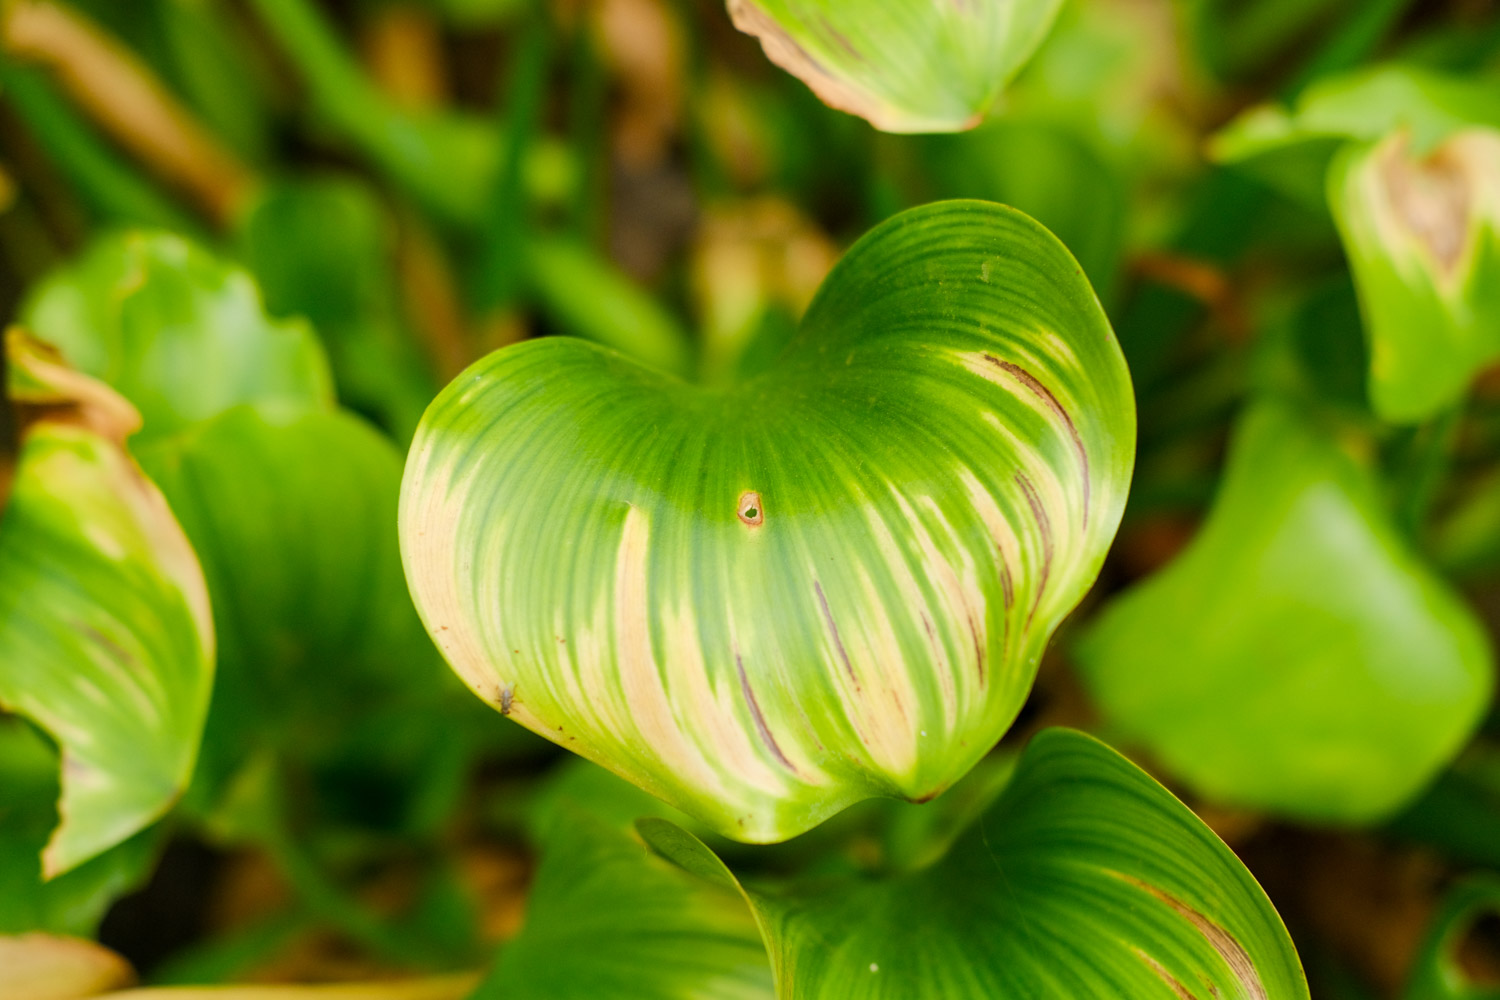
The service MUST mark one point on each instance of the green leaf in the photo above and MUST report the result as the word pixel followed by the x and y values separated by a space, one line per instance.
pixel 605 918
pixel 106 640
pixel 324 249
pixel 1423 237
pixel 830 582
pixel 1050 173
pixel 179 333
pixel 73 902
pixel 1086 879
pixel 905 65
pixel 613 311
pixel 1292 149
pixel 1437 973
pixel 1364 106
pixel 293 518
pixel 1298 657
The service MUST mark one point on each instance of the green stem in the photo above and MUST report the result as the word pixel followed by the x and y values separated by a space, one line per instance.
pixel 325 898
pixel 107 186
pixel 434 157
pixel 500 273
pixel 1353 42
pixel 1423 467
pixel 10 434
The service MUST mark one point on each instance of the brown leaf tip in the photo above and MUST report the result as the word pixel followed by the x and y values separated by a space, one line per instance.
pixel 751 511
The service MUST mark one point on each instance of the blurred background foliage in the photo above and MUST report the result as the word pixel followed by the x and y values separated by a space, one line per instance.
pixel 324 211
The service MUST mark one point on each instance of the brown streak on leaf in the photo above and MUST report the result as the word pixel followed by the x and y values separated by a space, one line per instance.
pixel 1230 950
pixel 1044 526
pixel 65 396
pixel 766 735
pixel 1172 981
pixel 116 651
pixel 834 631
pixel 785 52
pixel 1032 383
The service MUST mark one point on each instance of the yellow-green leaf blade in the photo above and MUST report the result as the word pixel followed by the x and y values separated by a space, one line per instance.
pixel 831 582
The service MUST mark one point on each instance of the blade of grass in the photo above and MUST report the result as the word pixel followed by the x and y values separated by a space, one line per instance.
pixel 112 190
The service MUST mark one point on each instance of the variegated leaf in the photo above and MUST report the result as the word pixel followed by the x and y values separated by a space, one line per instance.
pixel 830 582
pixel 905 65
pixel 1085 880
pixel 106 640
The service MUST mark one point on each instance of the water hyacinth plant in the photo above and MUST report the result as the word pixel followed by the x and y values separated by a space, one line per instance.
pixel 832 581
pixel 578 499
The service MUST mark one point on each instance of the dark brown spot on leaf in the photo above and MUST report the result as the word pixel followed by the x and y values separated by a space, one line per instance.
pixel 750 510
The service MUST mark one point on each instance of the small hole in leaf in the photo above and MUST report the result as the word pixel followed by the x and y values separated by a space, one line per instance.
pixel 751 511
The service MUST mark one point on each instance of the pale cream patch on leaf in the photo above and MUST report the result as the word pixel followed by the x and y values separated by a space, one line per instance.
pixel 639 676
pixel 726 729
pixel 1433 204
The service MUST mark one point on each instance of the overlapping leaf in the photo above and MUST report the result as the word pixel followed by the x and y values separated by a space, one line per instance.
pixel 830 582
pixel 106 639
pixel 1409 163
pixel 294 518
pixel 177 332
pixel 1298 657
pixel 607 919
pixel 1086 879
pixel 906 65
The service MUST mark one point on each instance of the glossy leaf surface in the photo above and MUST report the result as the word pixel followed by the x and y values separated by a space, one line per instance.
pixel 606 918
pixel 1298 657
pixel 107 641
pixel 180 334
pixel 830 582
pixel 294 520
pixel 905 65
pixel 1086 879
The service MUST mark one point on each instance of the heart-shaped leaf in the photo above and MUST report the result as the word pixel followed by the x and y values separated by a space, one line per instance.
pixel 905 65
pixel 1298 657
pixel 830 582
pixel 1085 880
pixel 105 633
